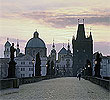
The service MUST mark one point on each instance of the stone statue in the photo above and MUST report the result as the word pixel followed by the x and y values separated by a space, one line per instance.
pixel 12 50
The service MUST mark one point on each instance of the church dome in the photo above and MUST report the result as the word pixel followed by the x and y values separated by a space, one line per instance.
pixel 35 42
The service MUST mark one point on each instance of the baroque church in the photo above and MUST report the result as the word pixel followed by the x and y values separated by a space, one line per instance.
pixel 24 66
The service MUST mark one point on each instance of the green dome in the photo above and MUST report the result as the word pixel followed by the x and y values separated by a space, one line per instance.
pixel 35 42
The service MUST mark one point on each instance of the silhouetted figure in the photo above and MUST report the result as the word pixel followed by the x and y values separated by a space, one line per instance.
pixel 79 76
pixel 12 50
pixel 12 63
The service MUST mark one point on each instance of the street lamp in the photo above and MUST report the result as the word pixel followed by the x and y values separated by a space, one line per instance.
pixel 89 66
pixel 33 61
pixel 95 62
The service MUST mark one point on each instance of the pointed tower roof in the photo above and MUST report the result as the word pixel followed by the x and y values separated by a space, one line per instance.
pixel 81 32
pixel 7 43
pixel 68 51
pixel 90 36
pixel 63 50
pixel 68 45
pixel 17 44
pixel 53 50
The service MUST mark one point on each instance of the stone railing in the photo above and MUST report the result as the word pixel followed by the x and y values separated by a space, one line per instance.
pixel 27 80
pixel 9 83
pixel 15 82
pixel 99 81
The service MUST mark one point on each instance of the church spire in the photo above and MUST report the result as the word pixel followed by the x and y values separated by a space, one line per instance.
pixel 68 45
pixel 53 44
pixel 90 34
pixel 81 32
pixel 17 43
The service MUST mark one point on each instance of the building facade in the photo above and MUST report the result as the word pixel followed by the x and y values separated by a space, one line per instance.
pixel 64 63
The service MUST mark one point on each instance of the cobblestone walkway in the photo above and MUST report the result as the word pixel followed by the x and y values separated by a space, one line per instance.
pixel 68 88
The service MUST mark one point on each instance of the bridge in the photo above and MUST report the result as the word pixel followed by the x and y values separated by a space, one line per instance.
pixel 65 88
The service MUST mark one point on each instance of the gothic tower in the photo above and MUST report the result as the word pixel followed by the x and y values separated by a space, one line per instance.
pixel 82 49
pixel 7 49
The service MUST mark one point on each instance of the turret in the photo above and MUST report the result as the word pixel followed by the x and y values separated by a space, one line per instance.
pixel 7 49
pixel 68 51
pixel 81 32
pixel 53 52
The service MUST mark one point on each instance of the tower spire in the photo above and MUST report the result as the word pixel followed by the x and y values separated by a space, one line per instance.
pixel 83 21
pixel 68 45
pixel 90 29
pixel 63 44
pixel 78 20
pixel 53 44
pixel 17 43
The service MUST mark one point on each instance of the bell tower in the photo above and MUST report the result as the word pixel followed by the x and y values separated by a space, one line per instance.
pixel 7 49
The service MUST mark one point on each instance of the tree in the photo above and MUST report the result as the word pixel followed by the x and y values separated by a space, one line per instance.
pixel 38 65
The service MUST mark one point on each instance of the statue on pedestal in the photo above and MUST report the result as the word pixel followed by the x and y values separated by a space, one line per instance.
pixel 12 63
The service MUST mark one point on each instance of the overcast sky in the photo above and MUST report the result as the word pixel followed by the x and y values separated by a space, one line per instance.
pixel 54 19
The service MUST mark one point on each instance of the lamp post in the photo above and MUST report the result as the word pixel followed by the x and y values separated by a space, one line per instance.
pixel 33 61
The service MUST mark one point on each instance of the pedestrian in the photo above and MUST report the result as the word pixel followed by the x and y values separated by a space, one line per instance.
pixel 79 76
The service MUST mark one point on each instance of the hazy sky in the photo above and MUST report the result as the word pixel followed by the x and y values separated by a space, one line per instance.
pixel 54 19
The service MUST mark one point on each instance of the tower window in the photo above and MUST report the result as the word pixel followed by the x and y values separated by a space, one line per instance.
pixel 84 50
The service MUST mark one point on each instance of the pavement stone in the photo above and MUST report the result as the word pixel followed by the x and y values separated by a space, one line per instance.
pixel 66 88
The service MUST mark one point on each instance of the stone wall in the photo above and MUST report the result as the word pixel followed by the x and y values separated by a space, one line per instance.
pixel 9 83
pixel 99 81
pixel 15 82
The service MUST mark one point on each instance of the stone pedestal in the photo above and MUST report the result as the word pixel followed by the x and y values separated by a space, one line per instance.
pixel 11 69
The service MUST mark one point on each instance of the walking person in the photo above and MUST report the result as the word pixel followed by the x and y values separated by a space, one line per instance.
pixel 79 76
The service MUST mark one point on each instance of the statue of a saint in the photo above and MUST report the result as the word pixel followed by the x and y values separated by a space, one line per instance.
pixel 12 50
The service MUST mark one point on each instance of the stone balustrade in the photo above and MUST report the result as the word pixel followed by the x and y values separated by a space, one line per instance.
pixel 99 81
pixel 15 82
pixel 9 83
